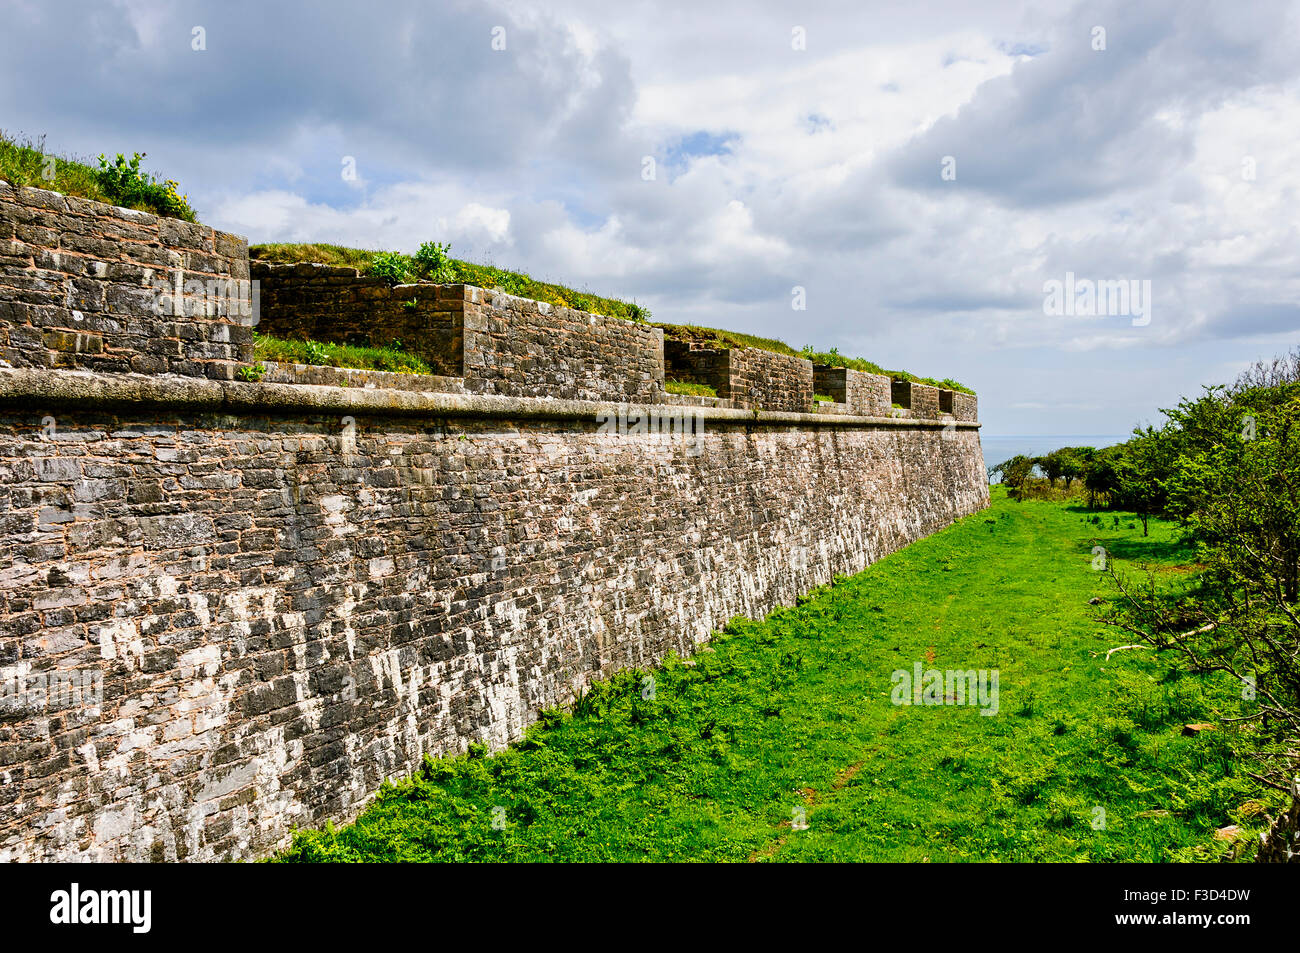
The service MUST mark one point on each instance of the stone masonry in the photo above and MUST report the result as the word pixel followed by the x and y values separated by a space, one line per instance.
pixel 88 285
pixel 861 393
pixel 229 608
pixel 286 610
pixel 326 303
pixel 498 343
pixel 524 348
pixel 747 377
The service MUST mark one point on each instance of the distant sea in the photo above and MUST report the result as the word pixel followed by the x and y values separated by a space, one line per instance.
pixel 999 448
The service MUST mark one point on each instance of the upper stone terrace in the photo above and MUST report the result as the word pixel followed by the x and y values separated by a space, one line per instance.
pixel 495 343
pixel 89 286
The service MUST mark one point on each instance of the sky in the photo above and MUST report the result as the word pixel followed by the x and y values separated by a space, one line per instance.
pixel 915 174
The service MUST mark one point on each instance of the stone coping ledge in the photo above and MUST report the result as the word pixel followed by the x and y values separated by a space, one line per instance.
pixel 278 372
pixel 41 387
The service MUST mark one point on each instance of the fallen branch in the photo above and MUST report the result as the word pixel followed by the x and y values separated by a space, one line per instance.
pixel 1121 648
pixel 1273 784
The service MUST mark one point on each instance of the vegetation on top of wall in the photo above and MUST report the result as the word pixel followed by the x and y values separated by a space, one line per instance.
pixel 24 162
pixel 322 354
pixel 718 338
pixel 689 388
pixel 432 263
pixel 834 358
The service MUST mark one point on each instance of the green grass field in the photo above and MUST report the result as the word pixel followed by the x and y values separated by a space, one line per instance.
pixel 794 713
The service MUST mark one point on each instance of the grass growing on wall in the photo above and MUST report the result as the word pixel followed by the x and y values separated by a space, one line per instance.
pixel 794 713
pixel 835 359
pixel 397 267
pixel 689 388
pixel 25 162
pixel 718 338
pixel 283 351
pixel 405 268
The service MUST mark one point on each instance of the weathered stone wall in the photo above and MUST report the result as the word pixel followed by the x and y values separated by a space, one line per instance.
pixel 868 394
pixel 276 373
pixel 747 377
pixel 860 392
pixel 312 302
pixel 771 381
pixel 965 406
pixel 228 608
pixel 829 381
pixel 287 606
pixel 696 364
pixel 81 287
pixel 524 348
pixel 502 344
pixel 499 343
pixel 925 400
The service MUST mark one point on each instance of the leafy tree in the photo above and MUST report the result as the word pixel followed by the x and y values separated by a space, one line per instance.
pixel 1228 464
pixel 1015 473
pixel 1100 475
pixel 1141 473
pixel 1051 466
pixel 1072 462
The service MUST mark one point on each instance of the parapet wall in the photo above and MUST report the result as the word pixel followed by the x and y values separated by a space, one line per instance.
pixel 770 381
pixel 501 344
pixel 327 303
pixel 88 285
pixel 229 607
pixel 925 400
pixel 746 377
pixel 498 343
pixel 965 406
pixel 523 348
pixel 860 392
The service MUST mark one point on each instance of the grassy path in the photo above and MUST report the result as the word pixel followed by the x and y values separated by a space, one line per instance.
pixel 794 714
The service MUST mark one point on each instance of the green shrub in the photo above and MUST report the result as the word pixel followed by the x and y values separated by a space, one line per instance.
pixel 317 354
pixel 124 184
pixel 25 162
pixel 393 267
pixel 252 373
pixel 434 264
